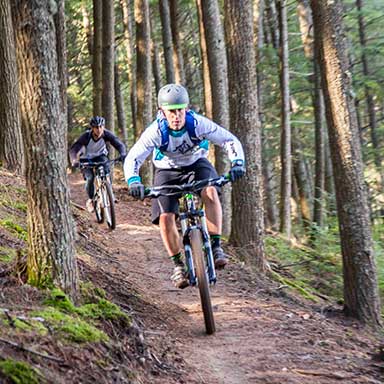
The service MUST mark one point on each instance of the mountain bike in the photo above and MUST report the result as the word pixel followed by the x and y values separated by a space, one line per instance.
pixel 196 240
pixel 103 200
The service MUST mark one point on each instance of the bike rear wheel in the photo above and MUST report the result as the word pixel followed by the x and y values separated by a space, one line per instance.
pixel 109 206
pixel 202 279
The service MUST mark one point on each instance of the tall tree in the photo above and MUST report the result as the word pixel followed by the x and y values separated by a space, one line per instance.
pixel 51 254
pixel 126 7
pixel 97 76
pixel 144 76
pixel 120 110
pixel 217 60
pixel 11 153
pixel 108 65
pixel 248 216
pixel 369 94
pixel 285 156
pixel 361 299
pixel 205 67
pixel 177 51
pixel 165 18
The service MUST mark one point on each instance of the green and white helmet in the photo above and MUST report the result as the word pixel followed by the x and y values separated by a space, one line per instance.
pixel 173 96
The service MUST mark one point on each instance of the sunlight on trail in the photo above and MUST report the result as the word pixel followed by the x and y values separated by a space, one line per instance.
pixel 137 228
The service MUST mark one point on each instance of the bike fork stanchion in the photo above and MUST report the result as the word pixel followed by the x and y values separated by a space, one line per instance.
pixel 187 249
pixel 208 248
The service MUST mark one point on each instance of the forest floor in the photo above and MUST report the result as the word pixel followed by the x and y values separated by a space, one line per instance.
pixel 265 334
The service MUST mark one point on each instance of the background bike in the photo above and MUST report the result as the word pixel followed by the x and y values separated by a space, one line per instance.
pixel 196 240
pixel 103 200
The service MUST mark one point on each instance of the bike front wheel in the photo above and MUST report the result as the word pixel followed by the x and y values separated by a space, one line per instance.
pixel 99 210
pixel 202 279
pixel 109 206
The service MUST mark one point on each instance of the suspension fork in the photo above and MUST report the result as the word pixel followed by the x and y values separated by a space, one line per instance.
pixel 207 247
pixel 185 229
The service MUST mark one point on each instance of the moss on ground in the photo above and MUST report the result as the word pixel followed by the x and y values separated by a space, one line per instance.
pixel 7 254
pixel 102 309
pixel 19 372
pixel 14 228
pixel 70 327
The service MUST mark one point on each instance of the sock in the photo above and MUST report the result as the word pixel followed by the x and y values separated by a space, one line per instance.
pixel 215 240
pixel 177 258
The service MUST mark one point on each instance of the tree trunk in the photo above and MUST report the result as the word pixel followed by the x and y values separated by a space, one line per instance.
pixel 11 142
pixel 248 216
pixel 204 58
pixel 61 47
pixel 51 253
pixel 108 96
pixel 167 40
pixel 369 96
pixel 217 61
pixel 129 47
pixel 177 51
pixel 120 110
pixel 361 299
pixel 144 76
pixel 300 174
pixel 97 76
pixel 285 156
pixel 155 62
pixel 273 23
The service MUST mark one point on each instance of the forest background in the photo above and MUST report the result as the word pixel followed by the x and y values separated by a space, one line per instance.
pixel 366 49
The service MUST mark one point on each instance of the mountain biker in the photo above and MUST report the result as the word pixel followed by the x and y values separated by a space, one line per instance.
pixel 92 146
pixel 178 140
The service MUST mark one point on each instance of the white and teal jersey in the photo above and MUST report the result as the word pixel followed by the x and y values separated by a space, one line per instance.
pixel 180 150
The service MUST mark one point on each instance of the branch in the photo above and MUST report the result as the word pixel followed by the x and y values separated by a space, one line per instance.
pixel 22 348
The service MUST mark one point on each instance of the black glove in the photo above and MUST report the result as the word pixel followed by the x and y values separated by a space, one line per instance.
pixel 75 164
pixel 238 170
pixel 136 190
pixel 122 158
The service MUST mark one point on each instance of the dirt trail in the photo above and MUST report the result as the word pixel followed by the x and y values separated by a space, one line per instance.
pixel 262 335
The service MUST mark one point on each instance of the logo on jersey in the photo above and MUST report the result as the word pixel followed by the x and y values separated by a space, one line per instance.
pixel 183 148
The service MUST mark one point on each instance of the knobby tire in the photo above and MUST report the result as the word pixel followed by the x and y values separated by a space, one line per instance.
pixel 99 210
pixel 109 208
pixel 202 279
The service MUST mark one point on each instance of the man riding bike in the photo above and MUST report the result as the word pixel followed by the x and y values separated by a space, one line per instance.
pixel 178 139
pixel 92 146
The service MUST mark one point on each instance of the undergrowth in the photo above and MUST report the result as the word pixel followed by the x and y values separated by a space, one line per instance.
pixel 317 269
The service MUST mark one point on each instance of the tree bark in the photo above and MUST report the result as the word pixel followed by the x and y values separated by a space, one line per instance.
pixel 247 214
pixel 177 51
pixel 204 58
pixel 97 76
pixel 11 142
pixel 361 299
pixel 167 40
pixel 218 75
pixel 144 76
pixel 285 155
pixel 108 65
pixel 51 253
pixel 120 110
pixel 129 47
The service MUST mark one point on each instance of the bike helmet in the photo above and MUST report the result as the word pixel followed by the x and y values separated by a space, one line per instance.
pixel 173 96
pixel 97 121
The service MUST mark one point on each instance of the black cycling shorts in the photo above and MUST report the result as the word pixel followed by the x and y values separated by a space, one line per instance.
pixel 200 170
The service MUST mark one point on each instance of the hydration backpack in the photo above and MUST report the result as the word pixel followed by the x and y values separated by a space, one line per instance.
pixel 190 125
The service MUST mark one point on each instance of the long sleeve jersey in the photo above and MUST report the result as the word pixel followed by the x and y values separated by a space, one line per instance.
pixel 89 148
pixel 181 150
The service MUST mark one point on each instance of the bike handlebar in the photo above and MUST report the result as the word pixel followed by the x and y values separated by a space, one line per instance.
pixel 192 187
pixel 93 164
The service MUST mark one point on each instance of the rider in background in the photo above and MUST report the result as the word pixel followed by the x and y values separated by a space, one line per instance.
pixel 178 139
pixel 92 146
